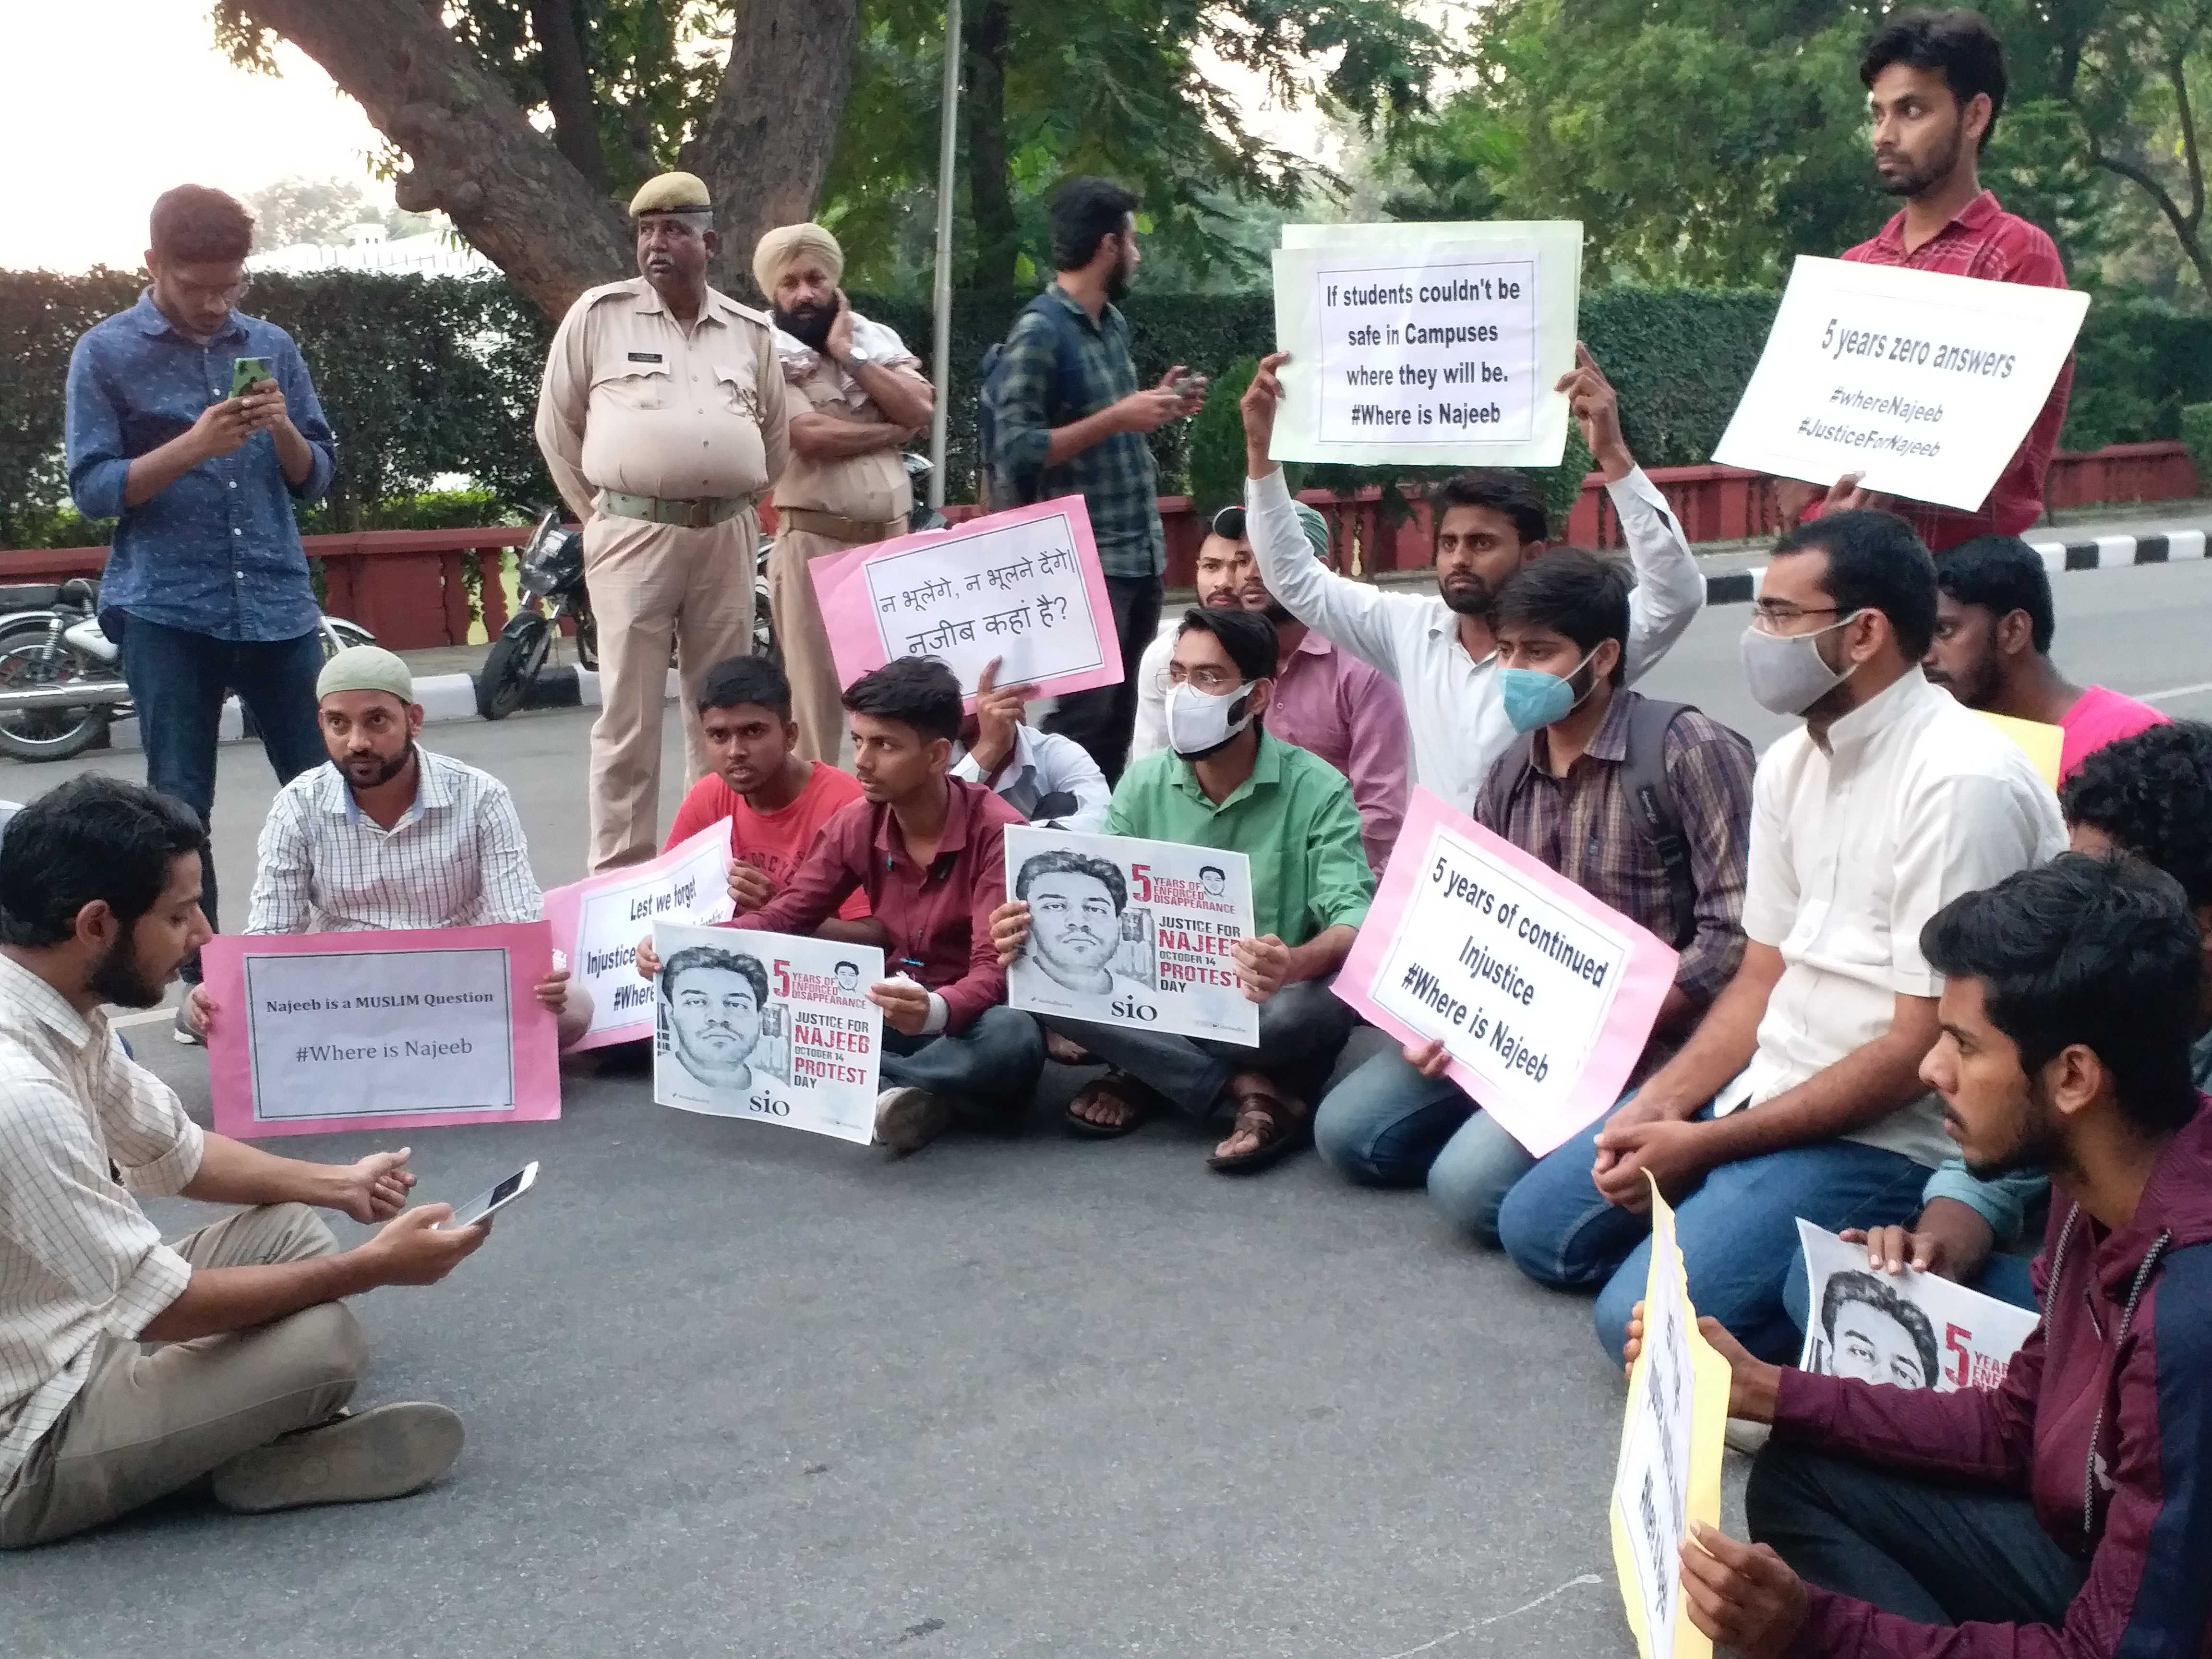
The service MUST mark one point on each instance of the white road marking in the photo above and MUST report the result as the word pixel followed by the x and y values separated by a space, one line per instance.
pixel 2177 692
pixel 1575 1583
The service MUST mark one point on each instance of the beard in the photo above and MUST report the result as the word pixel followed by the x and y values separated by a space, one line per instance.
pixel 1118 279
pixel 1976 688
pixel 1471 597
pixel 2037 1143
pixel 808 325
pixel 385 771
pixel 120 978
pixel 1919 180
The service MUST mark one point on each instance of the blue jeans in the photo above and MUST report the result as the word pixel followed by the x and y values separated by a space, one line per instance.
pixel 988 1071
pixel 2002 1276
pixel 1738 1231
pixel 1388 1125
pixel 178 679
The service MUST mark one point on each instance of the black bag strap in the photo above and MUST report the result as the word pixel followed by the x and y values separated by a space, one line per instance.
pixel 1651 802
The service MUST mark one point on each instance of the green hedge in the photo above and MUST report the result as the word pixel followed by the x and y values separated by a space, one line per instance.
pixel 423 376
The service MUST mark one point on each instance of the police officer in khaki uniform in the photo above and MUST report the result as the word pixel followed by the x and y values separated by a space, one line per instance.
pixel 858 399
pixel 662 421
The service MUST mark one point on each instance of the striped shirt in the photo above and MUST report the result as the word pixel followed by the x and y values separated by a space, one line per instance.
pixel 456 859
pixel 78 1258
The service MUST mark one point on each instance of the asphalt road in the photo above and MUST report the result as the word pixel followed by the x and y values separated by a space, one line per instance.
pixel 735 1390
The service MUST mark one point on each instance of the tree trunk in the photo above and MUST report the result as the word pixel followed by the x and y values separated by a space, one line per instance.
pixel 567 81
pixel 766 146
pixel 472 152
pixel 990 195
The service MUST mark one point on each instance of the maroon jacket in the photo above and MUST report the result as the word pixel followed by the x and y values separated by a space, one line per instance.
pixel 2104 1420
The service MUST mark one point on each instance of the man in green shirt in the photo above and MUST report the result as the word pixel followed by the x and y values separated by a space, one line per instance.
pixel 1224 782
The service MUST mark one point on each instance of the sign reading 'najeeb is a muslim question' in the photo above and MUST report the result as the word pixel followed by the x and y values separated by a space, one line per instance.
pixel 1542 996
pixel 1427 344
pixel 1924 382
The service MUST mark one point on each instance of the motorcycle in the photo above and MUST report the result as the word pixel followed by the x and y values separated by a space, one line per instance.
pixel 549 579
pixel 61 677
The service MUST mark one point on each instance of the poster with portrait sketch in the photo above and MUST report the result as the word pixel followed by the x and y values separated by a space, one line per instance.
pixel 768 1026
pixel 1133 933
pixel 1911 1330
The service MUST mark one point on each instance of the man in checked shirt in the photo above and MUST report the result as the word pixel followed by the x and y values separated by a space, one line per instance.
pixel 390 836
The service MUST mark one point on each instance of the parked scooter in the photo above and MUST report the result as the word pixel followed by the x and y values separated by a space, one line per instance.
pixel 61 677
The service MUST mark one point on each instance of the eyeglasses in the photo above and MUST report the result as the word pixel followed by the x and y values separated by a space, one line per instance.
pixel 1214 681
pixel 1775 617
pixel 231 294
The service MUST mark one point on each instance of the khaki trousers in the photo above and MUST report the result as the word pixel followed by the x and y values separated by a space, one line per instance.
pixel 817 697
pixel 652 584
pixel 150 1420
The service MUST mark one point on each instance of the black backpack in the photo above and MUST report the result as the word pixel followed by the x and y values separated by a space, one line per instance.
pixel 1650 798
pixel 1005 486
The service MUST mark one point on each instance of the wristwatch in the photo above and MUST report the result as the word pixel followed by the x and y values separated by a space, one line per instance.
pixel 857 355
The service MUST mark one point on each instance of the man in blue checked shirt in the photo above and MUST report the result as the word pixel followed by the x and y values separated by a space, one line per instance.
pixel 207 588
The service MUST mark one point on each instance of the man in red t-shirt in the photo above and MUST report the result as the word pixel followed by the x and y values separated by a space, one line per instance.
pixel 776 802
pixel 1994 623
pixel 1936 83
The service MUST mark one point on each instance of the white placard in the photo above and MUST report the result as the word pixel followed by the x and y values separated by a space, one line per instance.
pixel 768 1026
pixel 1651 1505
pixel 1926 383
pixel 1132 932
pixel 599 920
pixel 1429 344
pixel 1911 1330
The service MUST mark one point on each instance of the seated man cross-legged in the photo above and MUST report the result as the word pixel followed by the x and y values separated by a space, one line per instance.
pixel 389 837
pixel 929 852
pixel 1226 782
pixel 1799 1093
pixel 2062 1512
pixel 128 1368
pixel 1568 793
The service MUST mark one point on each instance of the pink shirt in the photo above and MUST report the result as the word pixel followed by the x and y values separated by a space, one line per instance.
pixel 1329 703
pixel 2099 717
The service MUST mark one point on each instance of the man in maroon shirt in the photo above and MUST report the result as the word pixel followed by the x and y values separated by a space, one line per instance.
pixel 1935 84
pixel 2067 1511
pixel 928 850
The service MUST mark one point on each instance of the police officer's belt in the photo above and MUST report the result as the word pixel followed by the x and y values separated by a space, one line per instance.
pixel 836 527
pixel 656 509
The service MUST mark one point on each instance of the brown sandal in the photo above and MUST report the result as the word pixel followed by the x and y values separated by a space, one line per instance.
pixel 1133 1097
pixel 1284 1124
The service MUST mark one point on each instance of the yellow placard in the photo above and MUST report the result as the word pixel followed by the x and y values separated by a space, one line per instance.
pixel 1669 1472
pixel 2043 744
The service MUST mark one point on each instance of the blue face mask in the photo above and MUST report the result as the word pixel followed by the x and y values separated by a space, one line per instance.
pixel 1533 698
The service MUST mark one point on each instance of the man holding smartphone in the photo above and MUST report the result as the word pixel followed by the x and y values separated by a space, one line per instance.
pixel 856 398
pixel 195 427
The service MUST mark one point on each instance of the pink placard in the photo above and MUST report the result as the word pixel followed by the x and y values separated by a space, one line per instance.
pixel 346 1041
pixel 1544 996
pixel 599 920
pixel 1023 586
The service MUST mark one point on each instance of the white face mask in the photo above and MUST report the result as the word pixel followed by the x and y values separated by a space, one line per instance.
pixel 1200 723
pixel 1786 673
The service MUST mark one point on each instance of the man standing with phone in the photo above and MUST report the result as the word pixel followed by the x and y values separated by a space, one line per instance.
pixel 1068 418
pixel 196 427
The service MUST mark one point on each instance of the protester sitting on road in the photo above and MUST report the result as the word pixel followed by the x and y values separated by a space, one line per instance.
pixel 777 801
pixel 2059 1511
pixel 1051 780
pixel 389 837
pixel 1327 702
pixel 1571 792
pixel 1890 802
pixel 130 1369
pixel 1992 651
pixel 2150 795
pixel 1228 783
pixel 1486 524
pixel 928 850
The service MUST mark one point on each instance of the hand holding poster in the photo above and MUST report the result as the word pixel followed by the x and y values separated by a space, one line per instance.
pixel 1669 1472
pixel 1912 1330
pixel 768 1026
pixel 1926 383
pixel 1542 996
pixel 1430 344
pixel 1133 933
pixel 314 1033
pixel 1024 586
pixel 599 920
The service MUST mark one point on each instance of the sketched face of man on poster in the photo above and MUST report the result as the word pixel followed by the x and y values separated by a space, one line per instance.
pixel 848 976
pixel 711 1001
pixel 1075 917
pixel 1871 1333
pixel 1214 879
pixel 1912 1329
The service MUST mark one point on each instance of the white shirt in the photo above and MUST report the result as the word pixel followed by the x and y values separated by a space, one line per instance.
pixel 1916 800
pixel 1452 708
pixel 78 1258
pixel 456 859
pixel 1043 764
pixel 1150 735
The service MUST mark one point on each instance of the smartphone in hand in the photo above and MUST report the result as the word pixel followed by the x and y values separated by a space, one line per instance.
pixel 248 372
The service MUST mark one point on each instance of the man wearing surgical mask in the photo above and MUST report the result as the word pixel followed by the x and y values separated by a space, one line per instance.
pixel 1799 1094
pixel 1226 782
pixel 1563 794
